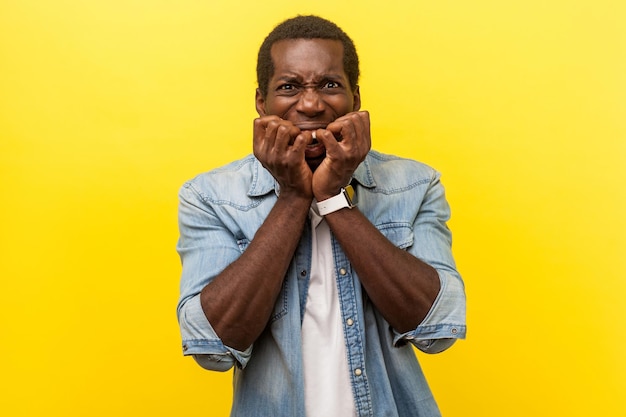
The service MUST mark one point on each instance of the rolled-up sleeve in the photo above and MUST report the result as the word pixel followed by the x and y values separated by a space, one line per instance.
pixel 200 340
pixel 206 247
pixel 445 322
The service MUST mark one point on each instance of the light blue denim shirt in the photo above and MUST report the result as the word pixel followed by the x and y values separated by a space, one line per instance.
pixel 219 213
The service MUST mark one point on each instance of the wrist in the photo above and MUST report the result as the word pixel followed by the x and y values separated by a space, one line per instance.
pixel 343 199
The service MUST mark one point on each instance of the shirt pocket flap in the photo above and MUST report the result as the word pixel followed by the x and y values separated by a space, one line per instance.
pixel 401 235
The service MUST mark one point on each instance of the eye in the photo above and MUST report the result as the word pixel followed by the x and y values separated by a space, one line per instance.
pixel 287 89
pixel 331 84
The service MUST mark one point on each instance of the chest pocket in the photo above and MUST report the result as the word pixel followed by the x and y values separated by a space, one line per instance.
pixel 400 234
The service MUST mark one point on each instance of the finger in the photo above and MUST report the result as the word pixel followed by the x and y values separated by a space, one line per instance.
pixel 327 138
pixel 261 123
pixel 278 134
pixel 301 141
pixel 356 127
pixel 261 126
pixel 362 128
pixel 259 142
pixel 336 127
pixel 344 129
pixel 285 134
pixel 346 126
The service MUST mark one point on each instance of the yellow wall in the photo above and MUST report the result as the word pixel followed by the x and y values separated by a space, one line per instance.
pixel 106 107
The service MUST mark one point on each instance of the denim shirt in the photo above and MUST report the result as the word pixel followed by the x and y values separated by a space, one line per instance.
pixel 219 213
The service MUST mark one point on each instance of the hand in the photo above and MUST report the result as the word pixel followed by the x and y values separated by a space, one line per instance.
pixel 347 141
pixel 279 145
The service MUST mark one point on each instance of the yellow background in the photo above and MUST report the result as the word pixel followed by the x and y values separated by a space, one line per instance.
pixel 107 107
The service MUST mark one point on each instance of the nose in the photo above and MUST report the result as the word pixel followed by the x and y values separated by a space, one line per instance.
pixel 310 102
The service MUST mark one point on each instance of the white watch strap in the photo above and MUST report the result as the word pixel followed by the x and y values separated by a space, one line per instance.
pixel 335 203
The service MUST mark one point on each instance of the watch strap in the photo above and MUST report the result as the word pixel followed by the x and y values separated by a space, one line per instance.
pixel 341 200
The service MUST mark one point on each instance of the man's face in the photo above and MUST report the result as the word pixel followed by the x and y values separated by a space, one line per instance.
pixel 309 88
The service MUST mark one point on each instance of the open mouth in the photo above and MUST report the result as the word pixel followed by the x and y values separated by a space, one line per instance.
pixel 315 149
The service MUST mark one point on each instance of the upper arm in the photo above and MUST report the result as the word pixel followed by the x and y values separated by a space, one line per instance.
pixel 206 246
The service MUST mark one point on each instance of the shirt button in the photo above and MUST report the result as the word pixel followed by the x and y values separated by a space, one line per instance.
pixel 350 322
pixel 303 273
pixel 343 271
pixel 357 372
pixel 454 331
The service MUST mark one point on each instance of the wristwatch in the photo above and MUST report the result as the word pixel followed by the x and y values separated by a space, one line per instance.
pixel 341 200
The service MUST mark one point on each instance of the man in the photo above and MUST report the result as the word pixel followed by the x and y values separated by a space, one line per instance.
pixel 310 265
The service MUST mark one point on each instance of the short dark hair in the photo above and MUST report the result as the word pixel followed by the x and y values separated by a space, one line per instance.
pixel 306 27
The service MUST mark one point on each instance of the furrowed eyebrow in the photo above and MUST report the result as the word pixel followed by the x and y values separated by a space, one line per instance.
pixel 288 79
pixel 334 77
pixel 326 77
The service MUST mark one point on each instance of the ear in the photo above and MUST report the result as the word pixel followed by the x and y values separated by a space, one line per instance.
pixel 260 103
pixel 357 99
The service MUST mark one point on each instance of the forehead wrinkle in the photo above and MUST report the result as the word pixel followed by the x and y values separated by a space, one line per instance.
pixel 312 59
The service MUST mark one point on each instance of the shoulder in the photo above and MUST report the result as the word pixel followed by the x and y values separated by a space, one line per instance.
pixel 241 168
pixel 228 182
pixel 395 172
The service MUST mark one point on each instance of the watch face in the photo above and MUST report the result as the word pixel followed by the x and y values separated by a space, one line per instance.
pixel 349 193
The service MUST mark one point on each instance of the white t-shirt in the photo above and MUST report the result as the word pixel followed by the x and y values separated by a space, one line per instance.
pixel 327 388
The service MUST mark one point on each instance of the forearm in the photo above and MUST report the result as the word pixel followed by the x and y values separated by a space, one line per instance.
pixel 402 287
pixel 239 301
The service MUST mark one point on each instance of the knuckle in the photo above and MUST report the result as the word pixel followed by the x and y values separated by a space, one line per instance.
pixel 282 129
